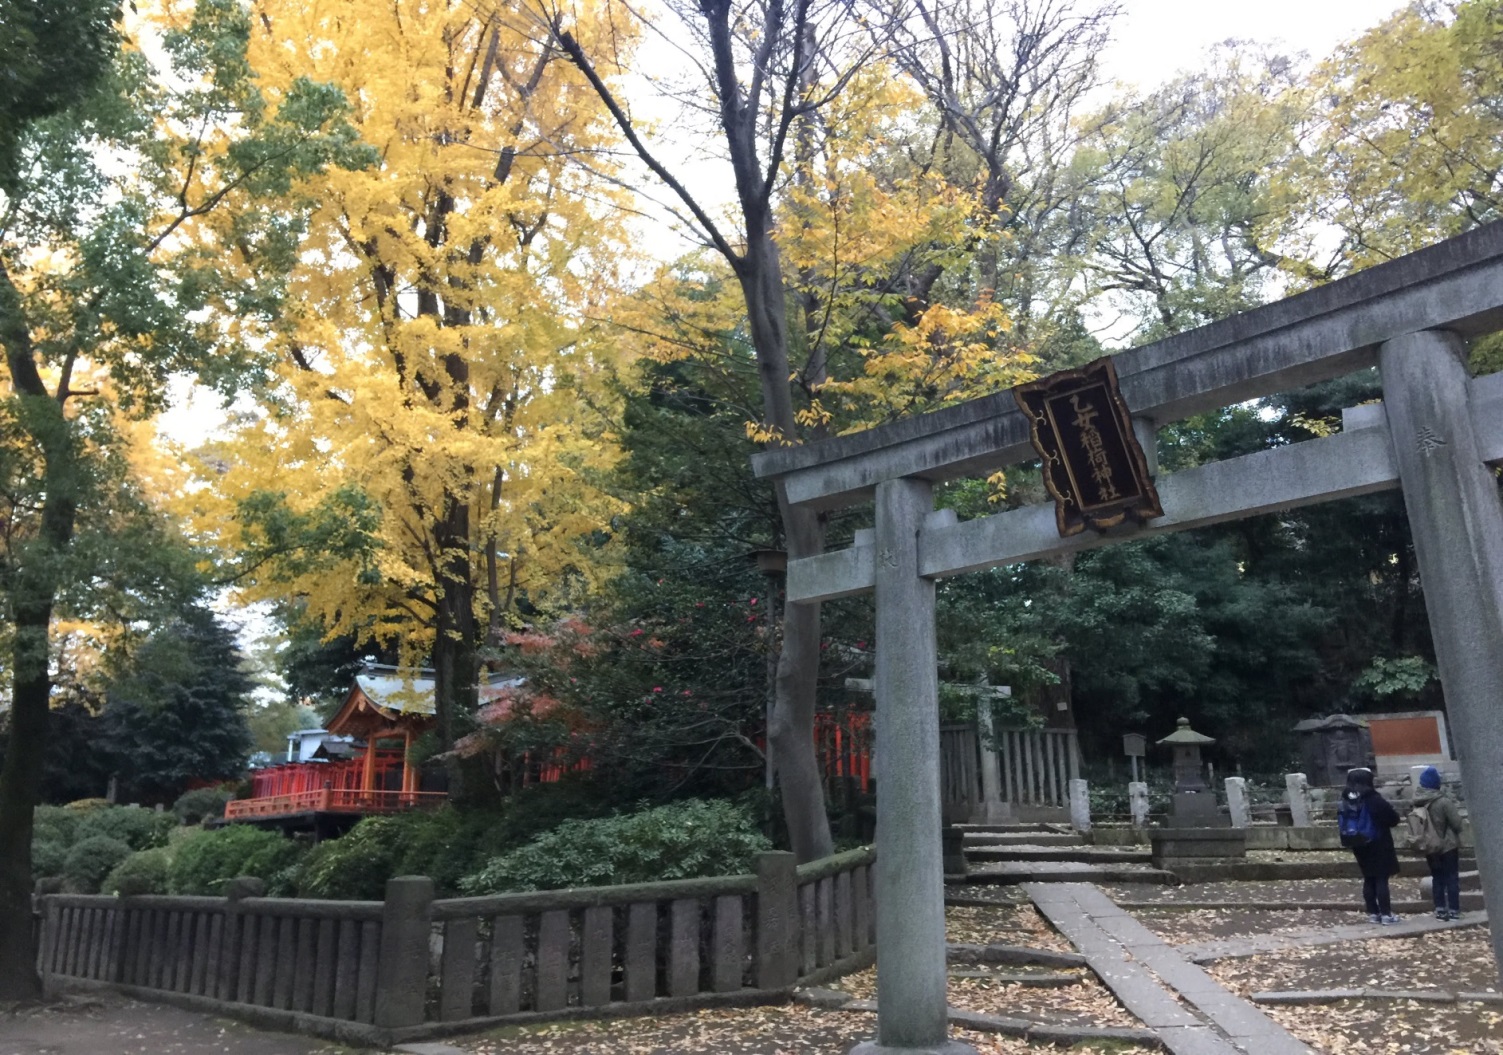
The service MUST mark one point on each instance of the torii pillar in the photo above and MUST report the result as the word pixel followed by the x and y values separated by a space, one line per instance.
pixel 1456 521
pixel 908 877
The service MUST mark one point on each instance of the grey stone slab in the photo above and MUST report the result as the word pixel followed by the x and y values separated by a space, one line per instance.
pixel 1306 996
pixel 430 1049
pixel 1234 1016
pixel 1480 998
pixel 1239 948
pixel 1182 976
pixel 1425 996
pixel 1034 980
pixel 1069 1036
pixel 1195 1040
pixel 830 999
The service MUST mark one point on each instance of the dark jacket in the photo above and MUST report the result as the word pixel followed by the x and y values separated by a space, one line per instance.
pixel 1444 814
pixel 1377 858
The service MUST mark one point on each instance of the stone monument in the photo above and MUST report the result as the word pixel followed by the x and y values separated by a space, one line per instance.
pixel 1194 803
pixel 1197 837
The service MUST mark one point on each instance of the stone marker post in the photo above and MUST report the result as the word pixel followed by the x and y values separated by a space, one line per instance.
pixel 908 877
pixel 1297 788
pixel 1080 805
pixel 1236 802
pixel 1137 803
pixel 992 809
pixel 777 920
pixel 402 971
pixel 1457 525
pixel 1414 775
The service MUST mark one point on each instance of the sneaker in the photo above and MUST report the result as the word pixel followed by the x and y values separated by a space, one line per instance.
pixel 1442 915
pixel 1453 914
pixel 1373 917
pixel 1390 918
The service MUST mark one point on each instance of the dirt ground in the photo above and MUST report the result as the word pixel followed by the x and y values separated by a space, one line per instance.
pixel 110 1025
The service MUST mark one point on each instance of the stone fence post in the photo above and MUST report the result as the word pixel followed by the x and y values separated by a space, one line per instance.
pixel 1137 802
pixel 1080 805
pixel 777 920
pixel 233 935
pixel 402 972
pixel 1236 802
pixel 952 847
pixel 1298 790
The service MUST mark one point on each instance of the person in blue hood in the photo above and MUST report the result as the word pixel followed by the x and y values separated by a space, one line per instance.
pixel 1445 863
pixel 1373 848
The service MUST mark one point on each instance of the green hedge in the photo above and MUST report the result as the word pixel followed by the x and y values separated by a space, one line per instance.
pixel 683 840
pixel 143 872
pixel 206 862
pixel 47 857
pixel 90 860
pixel 136 826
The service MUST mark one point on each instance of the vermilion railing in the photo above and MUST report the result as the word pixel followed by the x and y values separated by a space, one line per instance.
pixel 336 800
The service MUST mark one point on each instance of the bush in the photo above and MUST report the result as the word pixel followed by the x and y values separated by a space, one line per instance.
pixel 136 826
pixel 143 872
pixel 193 806
pixel 90 861
pixel 47 857
pixel 88 805
pixel 679 841
pixel 55 824
pixel 206 862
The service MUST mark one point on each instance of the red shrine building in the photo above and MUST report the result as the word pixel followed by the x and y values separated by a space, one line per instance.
pixel 372 772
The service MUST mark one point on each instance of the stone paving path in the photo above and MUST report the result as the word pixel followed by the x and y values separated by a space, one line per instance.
pixel 1257 945
pixel 1150 978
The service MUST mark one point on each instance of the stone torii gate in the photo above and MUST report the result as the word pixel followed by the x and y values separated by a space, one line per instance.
pixel 1435 434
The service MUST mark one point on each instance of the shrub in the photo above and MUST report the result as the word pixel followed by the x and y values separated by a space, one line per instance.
pixel 90 861
pixel 47 857
pixel 193 806
pixel 679 841
pixel 56 824
pixel 137 827
pixel 143 872
pixel 204 863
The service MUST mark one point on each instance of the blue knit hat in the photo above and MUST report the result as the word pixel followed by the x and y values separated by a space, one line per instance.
pixel 1430 778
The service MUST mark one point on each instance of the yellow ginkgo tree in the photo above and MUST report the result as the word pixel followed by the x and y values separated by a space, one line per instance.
pixel 422 457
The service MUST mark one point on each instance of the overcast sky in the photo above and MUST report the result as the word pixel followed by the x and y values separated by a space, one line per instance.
pixel 1157 38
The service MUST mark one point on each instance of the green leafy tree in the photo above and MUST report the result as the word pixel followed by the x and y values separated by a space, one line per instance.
pixel 115 277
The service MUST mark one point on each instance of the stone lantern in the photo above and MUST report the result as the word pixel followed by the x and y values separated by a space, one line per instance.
pixel 1194 802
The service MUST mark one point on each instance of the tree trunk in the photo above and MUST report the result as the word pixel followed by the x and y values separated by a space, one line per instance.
pixel 35 591
pixel 19 781
pixel 456 667
pixel 792 731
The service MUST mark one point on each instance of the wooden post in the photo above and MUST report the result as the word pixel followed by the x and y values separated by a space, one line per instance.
pixel 407 774
pixel 368 777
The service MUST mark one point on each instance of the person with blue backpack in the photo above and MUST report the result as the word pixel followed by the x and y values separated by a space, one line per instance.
pixel 1366 821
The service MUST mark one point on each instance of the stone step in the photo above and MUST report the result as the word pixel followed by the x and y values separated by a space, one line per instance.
pixel 1028 826
pixel 1009 872
pixel 1051 854
pixel 974 839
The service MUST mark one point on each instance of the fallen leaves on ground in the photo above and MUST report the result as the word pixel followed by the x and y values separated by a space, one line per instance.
pixel 1184 926
pixel 780 1030
pixel 1455 960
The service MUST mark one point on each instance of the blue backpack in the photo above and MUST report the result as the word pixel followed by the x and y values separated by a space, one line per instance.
pixel 1355 824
